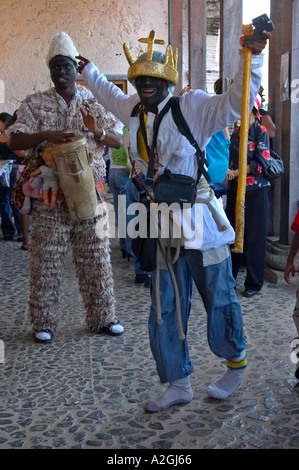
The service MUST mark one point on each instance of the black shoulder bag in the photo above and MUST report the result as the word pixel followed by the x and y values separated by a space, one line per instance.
pixel 276 168
pixel 177 188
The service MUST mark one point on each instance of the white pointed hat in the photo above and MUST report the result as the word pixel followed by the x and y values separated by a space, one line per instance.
pixel 62 44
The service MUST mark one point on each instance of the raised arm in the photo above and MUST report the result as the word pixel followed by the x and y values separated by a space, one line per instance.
pixel 207 115
pixel 106 93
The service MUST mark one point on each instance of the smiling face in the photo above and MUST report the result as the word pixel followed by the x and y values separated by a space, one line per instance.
pixel 151 91
pixel 63 72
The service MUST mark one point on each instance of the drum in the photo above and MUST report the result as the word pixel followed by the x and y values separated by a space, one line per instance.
pixel 76 177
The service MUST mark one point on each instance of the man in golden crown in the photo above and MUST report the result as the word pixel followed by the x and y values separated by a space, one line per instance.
pixel 206 260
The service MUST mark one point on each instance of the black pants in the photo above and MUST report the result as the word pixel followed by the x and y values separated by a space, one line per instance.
pixel 257 204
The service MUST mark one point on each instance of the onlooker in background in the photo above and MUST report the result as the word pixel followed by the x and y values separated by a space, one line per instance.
pixel 265 118
pixel 142 278
pixel 25 223
pixel 118 179
pixel 256 202
pixel 25 213
pixel 10 215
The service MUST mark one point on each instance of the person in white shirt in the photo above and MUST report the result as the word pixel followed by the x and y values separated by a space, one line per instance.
pixel 206 258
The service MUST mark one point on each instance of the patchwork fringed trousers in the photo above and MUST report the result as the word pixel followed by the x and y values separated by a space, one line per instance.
pixel 53 234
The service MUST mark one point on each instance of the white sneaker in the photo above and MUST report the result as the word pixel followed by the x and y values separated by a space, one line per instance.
pixel 113 329
pixel 43 336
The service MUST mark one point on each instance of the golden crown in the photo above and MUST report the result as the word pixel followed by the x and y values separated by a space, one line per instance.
pixel 150 67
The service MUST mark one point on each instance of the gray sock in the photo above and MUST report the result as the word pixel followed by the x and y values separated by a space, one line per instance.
pixel 178 392
pixel 224 386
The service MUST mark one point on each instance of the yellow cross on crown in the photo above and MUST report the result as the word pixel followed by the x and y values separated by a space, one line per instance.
pixel 151 41
pixel 150 67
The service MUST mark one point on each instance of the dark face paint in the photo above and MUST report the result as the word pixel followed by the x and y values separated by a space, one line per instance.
pixel 63 72
pixel 151 91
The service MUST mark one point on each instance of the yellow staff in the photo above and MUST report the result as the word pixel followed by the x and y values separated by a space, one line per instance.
pixel 240 201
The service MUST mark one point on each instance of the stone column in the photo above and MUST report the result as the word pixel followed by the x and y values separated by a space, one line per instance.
pixel 284 44
pixel 197 43
pixel 175 19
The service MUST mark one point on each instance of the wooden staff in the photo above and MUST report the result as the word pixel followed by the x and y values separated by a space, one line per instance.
pixel 241 190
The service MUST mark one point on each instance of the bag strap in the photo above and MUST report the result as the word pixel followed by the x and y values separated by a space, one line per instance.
pixel 184 130
pixel 149 180
pixel 138 110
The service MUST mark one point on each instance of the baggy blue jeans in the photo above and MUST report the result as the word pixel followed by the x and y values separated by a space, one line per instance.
pixel 215 284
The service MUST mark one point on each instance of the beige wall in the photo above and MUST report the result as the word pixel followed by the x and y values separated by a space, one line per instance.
pixel 98 28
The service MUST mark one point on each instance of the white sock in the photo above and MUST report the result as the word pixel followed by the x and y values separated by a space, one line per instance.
pixel 224 386
pixel 178 392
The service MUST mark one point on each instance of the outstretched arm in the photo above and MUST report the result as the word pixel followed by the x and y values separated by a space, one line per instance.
pixel 24 141
pixel 207 115
pixel 106 93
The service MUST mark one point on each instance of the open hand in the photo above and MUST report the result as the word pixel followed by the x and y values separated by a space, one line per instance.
pixel 56 137
pixel 82 62
pixel 231 175
pixel 288 271
pixel 88 117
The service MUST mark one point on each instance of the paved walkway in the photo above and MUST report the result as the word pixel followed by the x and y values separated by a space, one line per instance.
pixel 87 391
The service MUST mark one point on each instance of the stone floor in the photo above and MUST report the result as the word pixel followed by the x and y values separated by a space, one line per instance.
pixel 86 391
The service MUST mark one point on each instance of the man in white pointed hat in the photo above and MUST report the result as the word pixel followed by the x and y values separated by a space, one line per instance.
pixel 57 116
pixel 206 260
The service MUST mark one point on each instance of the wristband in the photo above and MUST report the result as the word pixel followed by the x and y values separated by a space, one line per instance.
pixel 102 136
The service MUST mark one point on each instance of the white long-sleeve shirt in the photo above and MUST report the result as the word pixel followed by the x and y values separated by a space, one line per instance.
pixel 205 116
